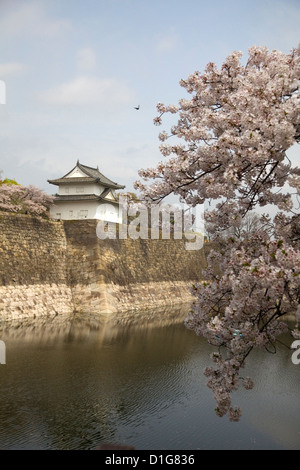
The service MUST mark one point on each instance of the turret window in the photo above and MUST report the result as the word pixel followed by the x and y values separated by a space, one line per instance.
pixel 83 214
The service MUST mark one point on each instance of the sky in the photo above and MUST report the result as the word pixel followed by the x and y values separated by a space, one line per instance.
pixel 74 71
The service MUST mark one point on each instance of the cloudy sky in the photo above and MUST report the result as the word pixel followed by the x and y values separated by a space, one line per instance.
pixel 74 70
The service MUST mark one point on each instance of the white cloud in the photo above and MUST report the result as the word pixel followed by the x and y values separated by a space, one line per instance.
pixel 166 43
pixel 11 68
pixel 30 18
pixel 86 91
pixel 86 59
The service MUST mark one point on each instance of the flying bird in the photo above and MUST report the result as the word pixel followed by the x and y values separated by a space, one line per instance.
pixel 137 107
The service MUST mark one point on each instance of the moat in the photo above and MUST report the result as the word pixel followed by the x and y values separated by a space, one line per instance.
pixel 75 387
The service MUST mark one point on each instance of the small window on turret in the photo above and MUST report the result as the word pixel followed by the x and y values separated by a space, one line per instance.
pixel 83 214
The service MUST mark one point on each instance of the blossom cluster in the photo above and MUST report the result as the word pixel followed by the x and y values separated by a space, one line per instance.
pixel 24 199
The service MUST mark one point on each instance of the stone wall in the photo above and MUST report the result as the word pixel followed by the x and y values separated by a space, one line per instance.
pixel 124 276
pixel 52 267
pixel 33 275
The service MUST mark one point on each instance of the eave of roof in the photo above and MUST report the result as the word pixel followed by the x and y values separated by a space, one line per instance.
pixel 83 197
pixel 64 180
pixel 77 197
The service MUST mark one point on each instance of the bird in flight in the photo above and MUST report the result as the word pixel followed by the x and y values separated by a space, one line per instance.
pixel 137 107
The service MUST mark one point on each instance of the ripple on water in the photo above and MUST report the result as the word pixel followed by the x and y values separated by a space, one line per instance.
pixel 143 387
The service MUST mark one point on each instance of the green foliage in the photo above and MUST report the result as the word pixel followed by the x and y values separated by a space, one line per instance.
pixel 8 181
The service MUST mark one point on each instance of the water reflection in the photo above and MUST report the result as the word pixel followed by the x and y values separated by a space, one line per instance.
pixel 72 385
pixel 85 326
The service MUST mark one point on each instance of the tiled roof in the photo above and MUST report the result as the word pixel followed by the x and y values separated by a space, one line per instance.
pixel 92 175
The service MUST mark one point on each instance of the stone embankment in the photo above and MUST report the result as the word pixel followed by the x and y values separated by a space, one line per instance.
pixel 50 268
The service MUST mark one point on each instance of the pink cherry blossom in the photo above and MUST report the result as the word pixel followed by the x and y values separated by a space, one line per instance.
pixel 228 148
pixel 24 199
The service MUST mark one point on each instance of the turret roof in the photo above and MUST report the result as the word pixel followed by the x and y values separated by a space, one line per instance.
pixel 93 175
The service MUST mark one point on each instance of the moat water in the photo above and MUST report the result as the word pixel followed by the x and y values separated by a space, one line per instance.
pixel 75 387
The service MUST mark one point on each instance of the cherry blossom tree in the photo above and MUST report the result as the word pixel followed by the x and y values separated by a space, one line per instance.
pixel 24 199
pixel 229 148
